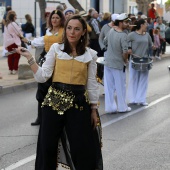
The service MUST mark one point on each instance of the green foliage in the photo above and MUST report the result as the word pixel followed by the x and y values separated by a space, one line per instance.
pixel 167 5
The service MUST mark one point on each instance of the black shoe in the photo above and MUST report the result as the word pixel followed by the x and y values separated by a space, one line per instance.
pixel 36 123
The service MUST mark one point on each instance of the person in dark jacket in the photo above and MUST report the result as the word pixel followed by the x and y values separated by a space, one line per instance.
pixel 28 27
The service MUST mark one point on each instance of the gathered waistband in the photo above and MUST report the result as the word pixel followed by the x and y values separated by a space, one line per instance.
pixel 68 87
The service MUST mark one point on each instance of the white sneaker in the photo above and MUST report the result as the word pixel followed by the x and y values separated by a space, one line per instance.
pixel 127 110
pixel 14 72
pixel 158 57
pixel 144 104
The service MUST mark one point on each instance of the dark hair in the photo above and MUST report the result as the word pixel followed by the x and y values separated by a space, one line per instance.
pixel 138 24
pixel 83 42
pixel 60 14
pixel 8 8
pixel 10 17
pixel 28 18
pixel 117 22
pixel 151 34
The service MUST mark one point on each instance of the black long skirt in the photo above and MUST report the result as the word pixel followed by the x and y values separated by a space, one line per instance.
pixel 68 140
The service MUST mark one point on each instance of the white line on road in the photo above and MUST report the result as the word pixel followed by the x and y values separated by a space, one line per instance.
pixel 31 158
pixel 20 163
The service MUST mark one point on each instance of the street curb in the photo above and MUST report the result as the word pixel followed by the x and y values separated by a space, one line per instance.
pixel 17 88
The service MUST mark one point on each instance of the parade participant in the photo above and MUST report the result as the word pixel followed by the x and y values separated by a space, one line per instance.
pixel 70 105
pixel 54 34
pixel 139 43
pixel 114 68
pixel 12 39
pixel 105 29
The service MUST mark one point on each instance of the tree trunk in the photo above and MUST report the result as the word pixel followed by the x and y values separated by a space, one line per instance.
pixel 76 5
pixel 143 5
pixel 42 5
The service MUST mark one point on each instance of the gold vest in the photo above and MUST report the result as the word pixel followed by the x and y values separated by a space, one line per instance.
pixel 70 72
pixel 51 39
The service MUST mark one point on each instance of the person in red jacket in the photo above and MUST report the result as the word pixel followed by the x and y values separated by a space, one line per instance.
pixel 152 12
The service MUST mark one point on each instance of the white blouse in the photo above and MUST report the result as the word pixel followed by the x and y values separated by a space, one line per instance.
pixel 45 72
pixel 39 41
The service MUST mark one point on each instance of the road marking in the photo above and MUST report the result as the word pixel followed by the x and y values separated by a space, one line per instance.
pixel 31 158
pixel 21 162
pixel 134 112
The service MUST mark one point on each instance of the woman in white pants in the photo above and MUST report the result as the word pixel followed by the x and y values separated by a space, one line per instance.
pixel 139 43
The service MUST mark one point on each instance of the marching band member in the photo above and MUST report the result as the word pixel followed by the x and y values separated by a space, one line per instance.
pixel 139 43
pixel 114 69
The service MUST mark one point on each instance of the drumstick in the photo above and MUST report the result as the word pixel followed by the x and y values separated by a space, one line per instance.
pixel 132 25
pixel 136 55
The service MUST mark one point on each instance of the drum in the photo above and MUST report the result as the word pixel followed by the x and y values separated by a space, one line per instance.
pixel 100 69
pixel 141 64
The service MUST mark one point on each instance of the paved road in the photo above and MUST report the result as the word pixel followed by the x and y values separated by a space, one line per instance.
pixel 136 140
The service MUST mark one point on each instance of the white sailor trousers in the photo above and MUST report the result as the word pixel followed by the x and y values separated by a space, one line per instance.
pixel 137 85
pixel 115 80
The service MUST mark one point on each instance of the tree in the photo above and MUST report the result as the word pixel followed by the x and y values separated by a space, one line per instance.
pixel 76 5
pixel 143 5
pixel 167 5
pixel 42 5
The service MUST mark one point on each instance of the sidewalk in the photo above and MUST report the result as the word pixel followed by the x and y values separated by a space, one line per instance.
pixel 11 83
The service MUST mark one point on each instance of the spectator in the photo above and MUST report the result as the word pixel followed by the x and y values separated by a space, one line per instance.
pixel 12 39
pixel 157 44
pixel 89 14
pixel 152 12
pixel 162 29
pixel 139 15
pixel 68 12
pixel 167 34
pixel 8 8
pixel 60 7
pixel 28 29
pixel 94 34
pixel 106 19
pixel 45 24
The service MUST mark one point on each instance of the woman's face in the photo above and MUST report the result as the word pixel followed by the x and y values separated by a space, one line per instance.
pixel 74 31
pixel 55 20
pixel 144 26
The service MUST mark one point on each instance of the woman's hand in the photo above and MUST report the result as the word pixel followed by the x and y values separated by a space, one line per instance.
pixel 24 40
pixel 24 52
pixel 94 118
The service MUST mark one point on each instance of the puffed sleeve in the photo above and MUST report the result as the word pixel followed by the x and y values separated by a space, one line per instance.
pixel 45 72
pixel 38 42
pixel 92 85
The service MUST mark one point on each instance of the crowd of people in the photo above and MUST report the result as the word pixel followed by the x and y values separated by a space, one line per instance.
pixel 68 92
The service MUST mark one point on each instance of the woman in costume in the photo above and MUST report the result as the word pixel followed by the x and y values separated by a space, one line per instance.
pixel 12 34
pixel 53 35
pixel 139 44
pixel 70 106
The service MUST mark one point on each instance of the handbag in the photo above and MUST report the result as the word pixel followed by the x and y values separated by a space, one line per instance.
pixel 23 44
